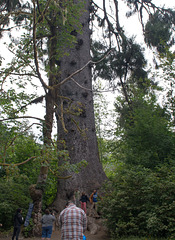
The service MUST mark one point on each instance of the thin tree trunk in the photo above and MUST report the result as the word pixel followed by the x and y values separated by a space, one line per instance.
pixel 36 191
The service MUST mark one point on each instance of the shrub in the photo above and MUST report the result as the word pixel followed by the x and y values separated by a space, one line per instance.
pixel 12 197
pixel 140 202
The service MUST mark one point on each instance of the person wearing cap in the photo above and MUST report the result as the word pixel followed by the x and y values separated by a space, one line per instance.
pixel 18 220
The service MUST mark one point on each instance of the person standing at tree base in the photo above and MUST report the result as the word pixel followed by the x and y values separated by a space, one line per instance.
pixel 93 200
pixel 47 224
pixel 18 220
pixel 77 197
pixel 84 198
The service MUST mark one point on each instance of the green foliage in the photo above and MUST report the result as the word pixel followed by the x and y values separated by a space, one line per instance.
pixel 9 5
pixel 5 8
pixel 140 202
pixel 13 195
pixel 139 198
pixel 167 65
pixel 57 31
pixel 129 60
pixel 149 140
pixel 17 175
pixel 158 30
pixel 15 95
pixel 104 120
pixel 16 147
pixel 58 162
pixel 147 137
pixel 27 231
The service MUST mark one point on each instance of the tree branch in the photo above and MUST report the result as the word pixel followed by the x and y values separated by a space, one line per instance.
pixel 45 86
pixel 80 85
pixel 17 164
pixel 6 119
pixel 81 69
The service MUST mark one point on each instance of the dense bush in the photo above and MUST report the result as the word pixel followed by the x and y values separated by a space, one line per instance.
pixel 12 197
pixel 15 179
pixel 140 202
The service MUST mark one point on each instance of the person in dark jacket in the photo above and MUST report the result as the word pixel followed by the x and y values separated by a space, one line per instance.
pixel 18 220
pixel 83 201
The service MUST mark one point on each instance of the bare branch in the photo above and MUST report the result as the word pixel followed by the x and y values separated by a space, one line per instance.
pixel 42 14
pixel 20 74
pixel 6 119
pixel 35 101
pixel 59 177
pixel 10 28
pixel 13 139
pixel 17 164
pixel 16 13
pixel 80 85
pixel 23 60
pixel 81 69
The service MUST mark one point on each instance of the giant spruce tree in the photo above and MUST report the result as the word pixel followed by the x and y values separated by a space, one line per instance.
pixel 77 102
pixel 57 41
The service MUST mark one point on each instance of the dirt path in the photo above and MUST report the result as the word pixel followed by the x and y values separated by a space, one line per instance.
pixel 101 235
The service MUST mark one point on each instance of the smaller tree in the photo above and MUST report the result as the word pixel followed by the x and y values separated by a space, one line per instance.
pixel 147 135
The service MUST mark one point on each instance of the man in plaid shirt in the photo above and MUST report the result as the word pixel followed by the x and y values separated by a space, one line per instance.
pixel 73 222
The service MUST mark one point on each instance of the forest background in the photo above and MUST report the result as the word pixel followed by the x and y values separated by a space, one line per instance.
pixel 137 153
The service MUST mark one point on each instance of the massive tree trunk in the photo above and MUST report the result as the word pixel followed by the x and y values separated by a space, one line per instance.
pixel 80 138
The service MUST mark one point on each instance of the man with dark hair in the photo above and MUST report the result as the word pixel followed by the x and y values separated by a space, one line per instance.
pixel 47 221
pixel 18 220
pixel 72 220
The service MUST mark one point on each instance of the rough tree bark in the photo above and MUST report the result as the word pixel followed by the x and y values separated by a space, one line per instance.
pixel 81 144
pixel 36 193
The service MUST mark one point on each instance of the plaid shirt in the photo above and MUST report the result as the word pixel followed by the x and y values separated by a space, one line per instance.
pixel 73 223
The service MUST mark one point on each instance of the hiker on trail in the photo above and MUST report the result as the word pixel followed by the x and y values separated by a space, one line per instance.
pixel 18 220
pixel 72 220
pixel 83 201
pixel 47 221
pixel 77 197
pixel 93 200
